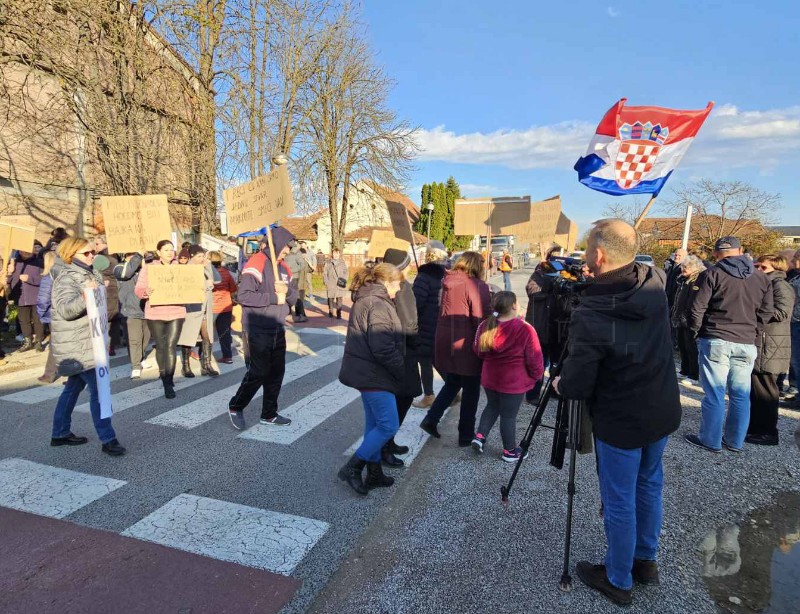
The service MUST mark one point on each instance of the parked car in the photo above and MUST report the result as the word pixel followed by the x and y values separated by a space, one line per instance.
pixel 645 259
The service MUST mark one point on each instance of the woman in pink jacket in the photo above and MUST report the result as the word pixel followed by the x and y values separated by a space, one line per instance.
pixel 164 321
pixel 512 364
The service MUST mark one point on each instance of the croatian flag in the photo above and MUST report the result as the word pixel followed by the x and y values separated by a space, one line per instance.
pixel 635 149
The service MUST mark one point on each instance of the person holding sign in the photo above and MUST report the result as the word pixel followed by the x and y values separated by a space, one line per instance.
pixel 23 282
pixel 72 346
pixel 265 306
pixel 164 321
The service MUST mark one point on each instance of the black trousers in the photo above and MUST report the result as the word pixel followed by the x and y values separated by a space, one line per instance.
pixel 687 346
pixel 403 405
pixel 222 324
pixel 470 387
pixel 299 306
pixel 426 374
pixel 763 404
pixel 335 303
pixel 29 322
pixel 165 333
pixel 265 357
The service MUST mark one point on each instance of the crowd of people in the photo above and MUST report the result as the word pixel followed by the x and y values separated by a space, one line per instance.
pixel 735 324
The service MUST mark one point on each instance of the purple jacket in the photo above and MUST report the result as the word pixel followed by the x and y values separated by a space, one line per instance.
pixel 29 290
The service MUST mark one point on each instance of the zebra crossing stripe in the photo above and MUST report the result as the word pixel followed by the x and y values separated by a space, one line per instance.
pixel 306 414
pixel 231 532
pixel 49 491
pixel 202 410
pixel 153 389
pixel 33 396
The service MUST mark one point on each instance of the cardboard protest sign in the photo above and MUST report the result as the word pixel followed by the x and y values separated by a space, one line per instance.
pixel 473 215
pixel 135 223
pixel 382 240
pixel 260 202
pixel 566 233
pixel 13 236
pixel 98 322
pixel 542 225
pixel 179 284
pixel 400 222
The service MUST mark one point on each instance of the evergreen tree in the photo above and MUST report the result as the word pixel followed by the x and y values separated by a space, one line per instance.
pixel 443 196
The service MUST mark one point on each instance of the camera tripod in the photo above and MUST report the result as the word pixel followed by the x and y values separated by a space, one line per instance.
pixel 567 432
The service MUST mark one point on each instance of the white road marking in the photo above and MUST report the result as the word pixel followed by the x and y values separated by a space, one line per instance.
pixel 153 389
pixel 202 410
pixel 306 414
pixel 231 532
pixel 49 491
pixel 33 396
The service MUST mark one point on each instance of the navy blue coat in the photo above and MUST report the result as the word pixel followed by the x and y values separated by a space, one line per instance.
pixel 428 294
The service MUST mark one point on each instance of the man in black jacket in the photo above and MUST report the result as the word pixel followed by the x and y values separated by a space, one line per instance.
pixel 620 362
pixel 732 298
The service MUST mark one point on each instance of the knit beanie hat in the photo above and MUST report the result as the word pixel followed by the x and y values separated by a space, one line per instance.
pixel 397 257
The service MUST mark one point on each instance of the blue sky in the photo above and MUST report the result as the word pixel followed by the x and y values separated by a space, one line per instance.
pixel 507 94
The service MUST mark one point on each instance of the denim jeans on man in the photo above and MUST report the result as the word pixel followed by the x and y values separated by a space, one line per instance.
pixel 725 366
pixel 62 419
pixel 507 280
pixel 795 362
pixel 380 424
pixel 631 484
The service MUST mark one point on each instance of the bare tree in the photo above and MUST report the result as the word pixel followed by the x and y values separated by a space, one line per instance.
pixel 725 208
pixel 103 100
pixel 625 209
pixel 350 133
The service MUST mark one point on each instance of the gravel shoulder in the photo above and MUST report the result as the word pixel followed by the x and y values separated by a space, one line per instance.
pixel 445 540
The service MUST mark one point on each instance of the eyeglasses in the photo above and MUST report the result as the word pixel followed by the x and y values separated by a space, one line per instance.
pixel 90 252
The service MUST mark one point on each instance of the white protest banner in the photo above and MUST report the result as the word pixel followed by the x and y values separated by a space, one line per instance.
pixel 260 202
pixel 98 323
pixel 400 222
pixel 135 223
pixel 179 284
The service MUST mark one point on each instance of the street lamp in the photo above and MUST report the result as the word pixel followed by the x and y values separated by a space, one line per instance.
pixel 429 207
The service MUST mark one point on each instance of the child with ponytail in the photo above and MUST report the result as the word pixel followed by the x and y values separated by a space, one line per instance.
pixel 512 364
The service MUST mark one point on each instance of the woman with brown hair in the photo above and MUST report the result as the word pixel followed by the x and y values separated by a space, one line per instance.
pixel 373 364
pixel 164 321
pixel 71 344
pixel 465 302
pixel 774 352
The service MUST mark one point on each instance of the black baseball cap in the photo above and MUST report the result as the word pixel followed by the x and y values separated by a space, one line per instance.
pixel 724 243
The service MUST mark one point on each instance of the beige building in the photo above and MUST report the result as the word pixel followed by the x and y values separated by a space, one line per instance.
pixel 88 110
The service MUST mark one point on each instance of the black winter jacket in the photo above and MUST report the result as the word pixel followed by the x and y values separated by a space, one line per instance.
pixel 541 302
pixel 373 350
pixel 406 306
pixel 686 288
pixel 733 297
pixel 620 358
pixel 428 294
pixel 775 344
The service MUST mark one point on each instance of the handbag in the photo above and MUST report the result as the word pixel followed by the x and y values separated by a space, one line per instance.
pixel 340 281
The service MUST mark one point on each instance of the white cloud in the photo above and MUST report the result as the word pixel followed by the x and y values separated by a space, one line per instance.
pixel 730 138
pixel 612 12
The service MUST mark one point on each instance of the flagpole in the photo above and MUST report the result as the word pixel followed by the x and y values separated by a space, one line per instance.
pixel 687 225
pixel 643 214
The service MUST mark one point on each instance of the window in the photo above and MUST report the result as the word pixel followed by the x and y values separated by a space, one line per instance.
pixel 5 182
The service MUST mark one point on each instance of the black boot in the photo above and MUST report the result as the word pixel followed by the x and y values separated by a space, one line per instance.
pixel 389 459
pixel 186 367
pixel 351 473
pixel 376 477
pixel 395 449
pixel 26 345
pixel 205 361
pixel 169 387
pixel 37 345
pixel 339 313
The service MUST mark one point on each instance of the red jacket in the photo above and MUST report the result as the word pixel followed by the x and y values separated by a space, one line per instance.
pixel 515 365
pixel 222 291
pixel 465 302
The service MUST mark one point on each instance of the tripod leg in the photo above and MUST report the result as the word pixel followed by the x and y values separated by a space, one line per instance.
pixel 536 420
pixel 575 408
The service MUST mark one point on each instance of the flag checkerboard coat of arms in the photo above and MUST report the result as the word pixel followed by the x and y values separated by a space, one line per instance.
pixel 635 149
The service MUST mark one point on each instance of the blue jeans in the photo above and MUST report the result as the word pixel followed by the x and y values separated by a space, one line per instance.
pixel 631 484
pixel 795 363
pixel 62 418
pixel 507 280
pixel 380 424
pixel 725 366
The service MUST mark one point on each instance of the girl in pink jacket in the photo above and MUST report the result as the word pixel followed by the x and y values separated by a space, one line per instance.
pixel 512 364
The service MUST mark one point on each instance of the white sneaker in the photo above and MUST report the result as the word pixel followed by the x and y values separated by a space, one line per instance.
pixel 136 373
